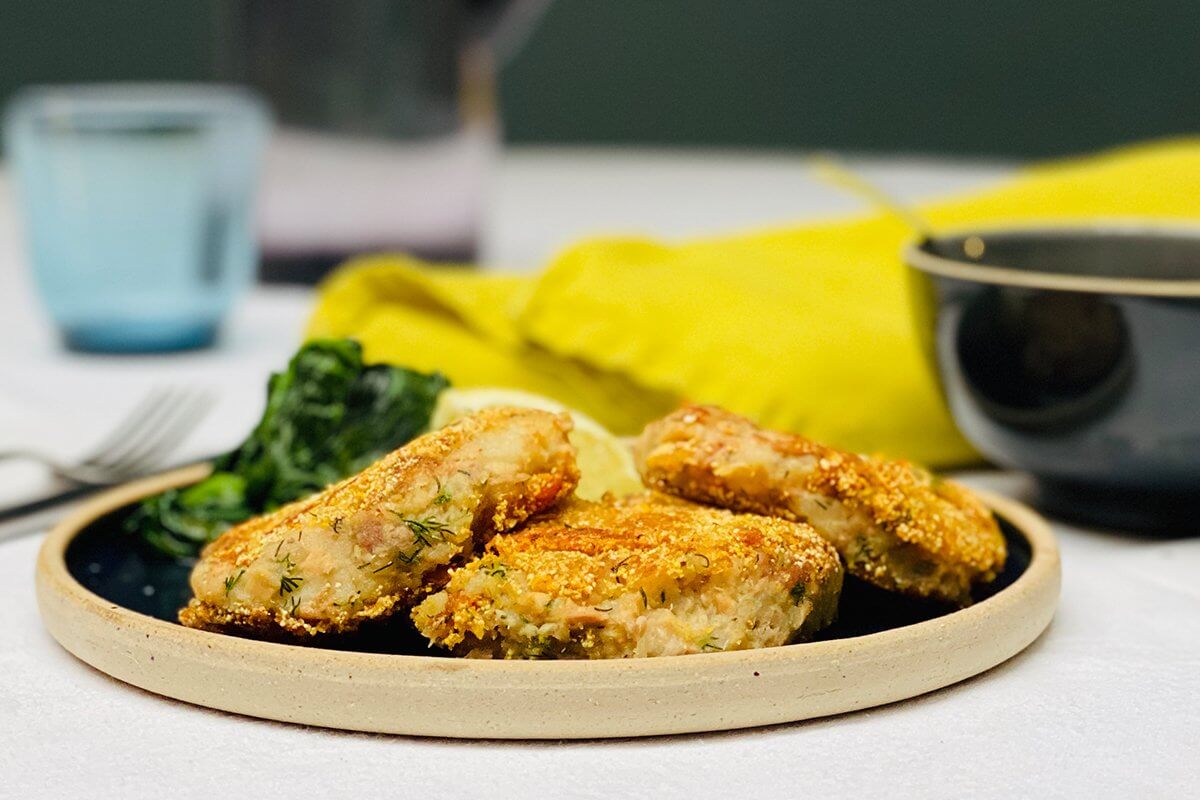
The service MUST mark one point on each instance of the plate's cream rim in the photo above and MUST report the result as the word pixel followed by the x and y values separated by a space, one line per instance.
pixel 1044 564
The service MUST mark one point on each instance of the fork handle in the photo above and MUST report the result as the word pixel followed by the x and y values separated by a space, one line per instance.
pixel 75 474
pixel 39 514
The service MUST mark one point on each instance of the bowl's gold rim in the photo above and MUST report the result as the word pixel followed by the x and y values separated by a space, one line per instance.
pixel 926 262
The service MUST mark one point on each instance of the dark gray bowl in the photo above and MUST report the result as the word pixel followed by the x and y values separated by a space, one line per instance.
pixel 1074 354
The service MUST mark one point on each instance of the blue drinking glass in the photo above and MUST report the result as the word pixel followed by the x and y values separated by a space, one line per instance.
pixel 138 203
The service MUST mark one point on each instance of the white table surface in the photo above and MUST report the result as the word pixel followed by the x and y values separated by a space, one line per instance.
pixel 1105 704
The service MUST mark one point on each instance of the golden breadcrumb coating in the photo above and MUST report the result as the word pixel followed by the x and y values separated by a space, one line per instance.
pixel 894 524
pixel 372 544
pixel 636 577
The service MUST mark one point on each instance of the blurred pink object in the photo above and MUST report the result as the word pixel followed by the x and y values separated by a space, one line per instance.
pixel 327 195
pixel 387 122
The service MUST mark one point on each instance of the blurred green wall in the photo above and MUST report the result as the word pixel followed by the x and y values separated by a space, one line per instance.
pixel 71 40
pixel 1008 77
pixel 1022 77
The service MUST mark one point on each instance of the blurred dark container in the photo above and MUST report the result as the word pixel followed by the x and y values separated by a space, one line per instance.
pixel 1073 354
pixel 387 122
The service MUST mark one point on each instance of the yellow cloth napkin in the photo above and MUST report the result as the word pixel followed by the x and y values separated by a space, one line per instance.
pixel 809 328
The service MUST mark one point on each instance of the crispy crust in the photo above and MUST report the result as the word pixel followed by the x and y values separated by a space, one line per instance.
pixel 895 525
pixel 591 578
pixel 359 548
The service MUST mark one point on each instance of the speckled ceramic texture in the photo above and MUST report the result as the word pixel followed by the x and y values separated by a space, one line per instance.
pixel 438 696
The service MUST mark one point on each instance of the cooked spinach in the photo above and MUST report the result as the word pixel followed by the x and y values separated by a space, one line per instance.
pixel 328 416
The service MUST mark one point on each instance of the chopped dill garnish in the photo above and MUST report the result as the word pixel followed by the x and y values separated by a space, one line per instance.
pixel 496 570
pixel 707 562
pixel 862 552
pixel 645 601
pixel 709 644
pixel 602 609
pixel 539 645
pixel 662 596
pixel 289 583
pixel 278 545
pixel 337 525
pixel 232 581
pixel 617 567
pixel 797 592
pixel 293 604
pixel 425 531
pixel 381 569
pixel 286 560
pixel 442 498
pixel 824 506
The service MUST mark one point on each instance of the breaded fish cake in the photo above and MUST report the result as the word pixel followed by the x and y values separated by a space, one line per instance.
pixel 637 577
pixel 894 524
pixel 370 545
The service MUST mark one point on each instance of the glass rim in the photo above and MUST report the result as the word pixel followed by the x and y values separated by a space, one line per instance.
pixel 114 101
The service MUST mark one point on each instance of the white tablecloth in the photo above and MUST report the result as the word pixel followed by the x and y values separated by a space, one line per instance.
pixel 1105 704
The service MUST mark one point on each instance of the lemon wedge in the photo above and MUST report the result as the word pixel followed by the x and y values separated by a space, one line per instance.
pixel 605 462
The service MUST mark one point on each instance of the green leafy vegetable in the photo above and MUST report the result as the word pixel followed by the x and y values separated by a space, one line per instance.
pixel 327 417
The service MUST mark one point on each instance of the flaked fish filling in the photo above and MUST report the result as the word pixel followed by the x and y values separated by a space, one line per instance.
pixel 731 615
pixel 493 609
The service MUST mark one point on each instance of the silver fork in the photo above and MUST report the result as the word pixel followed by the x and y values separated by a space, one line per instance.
pixel 140 443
